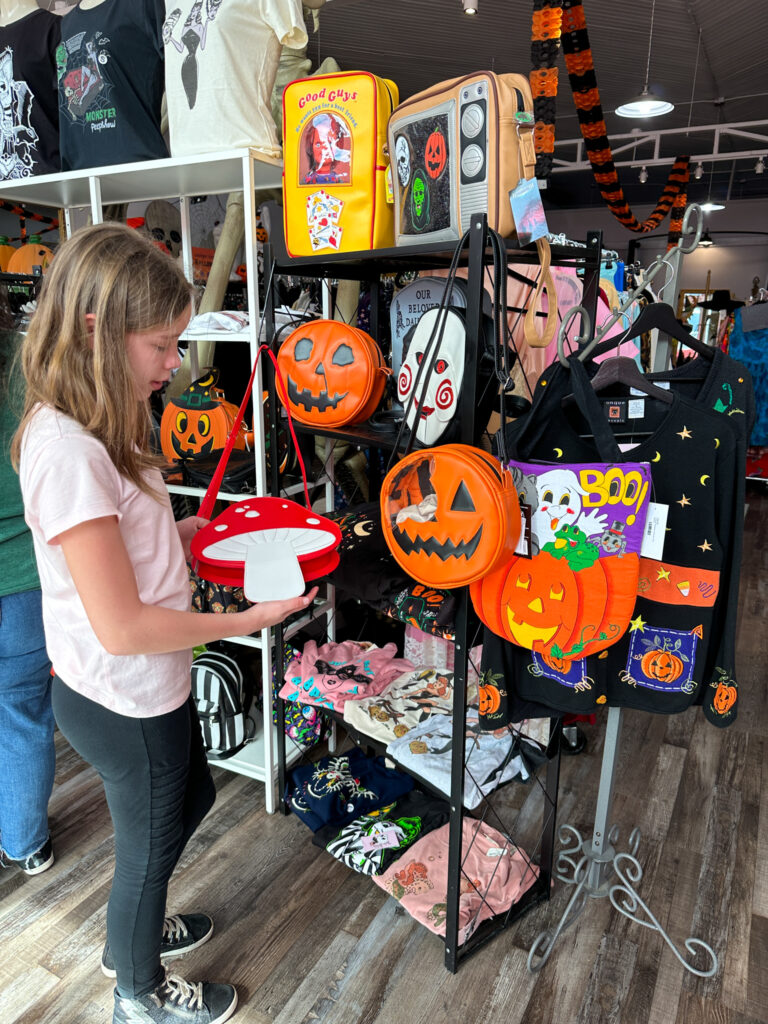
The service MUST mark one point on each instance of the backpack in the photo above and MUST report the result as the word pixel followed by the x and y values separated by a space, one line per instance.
pixel 223 694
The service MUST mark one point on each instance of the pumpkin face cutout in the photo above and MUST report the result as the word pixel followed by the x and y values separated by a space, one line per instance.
pixel 198 422
pixel 334 374
pixel 449 514
pixel 435 154
pixel 541 606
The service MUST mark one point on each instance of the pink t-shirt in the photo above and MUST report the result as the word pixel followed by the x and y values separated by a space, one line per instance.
pixel 494 875
pixel 67 478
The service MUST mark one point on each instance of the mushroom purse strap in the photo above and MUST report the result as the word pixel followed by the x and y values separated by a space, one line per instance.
pixel 269 546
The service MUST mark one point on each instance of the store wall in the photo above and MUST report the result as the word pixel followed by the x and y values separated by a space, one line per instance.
pixel 740 252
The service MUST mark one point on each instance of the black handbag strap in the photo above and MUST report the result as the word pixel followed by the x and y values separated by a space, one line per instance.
pixel 589 406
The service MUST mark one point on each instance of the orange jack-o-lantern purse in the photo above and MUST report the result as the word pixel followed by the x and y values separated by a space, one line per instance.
pixel 197 423
pixel 334 373
pixel 449 514
pixel 572 591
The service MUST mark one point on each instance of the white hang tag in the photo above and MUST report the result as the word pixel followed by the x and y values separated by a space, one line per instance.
pixel 272 572
pixel 655 531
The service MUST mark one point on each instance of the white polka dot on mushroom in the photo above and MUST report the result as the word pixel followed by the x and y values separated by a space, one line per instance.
pixel 220 528
pixel 252 515
pixel 313 522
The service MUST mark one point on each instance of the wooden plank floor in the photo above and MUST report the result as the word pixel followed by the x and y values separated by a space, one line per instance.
pixel 304 939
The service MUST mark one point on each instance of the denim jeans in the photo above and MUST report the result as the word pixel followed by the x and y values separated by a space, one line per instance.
pixel 159 788
pixel 27 756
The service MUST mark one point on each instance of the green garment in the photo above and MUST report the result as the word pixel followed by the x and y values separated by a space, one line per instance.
pixel 19 569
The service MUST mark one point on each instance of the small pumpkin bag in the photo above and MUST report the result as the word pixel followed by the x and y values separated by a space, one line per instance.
pixel 335 374
pixel 197 423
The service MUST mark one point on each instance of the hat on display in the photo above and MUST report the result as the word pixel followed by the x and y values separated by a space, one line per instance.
pixel 721 299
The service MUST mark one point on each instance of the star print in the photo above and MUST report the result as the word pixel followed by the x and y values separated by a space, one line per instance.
pixel 706 546
pixel 684 501
pixel 637 623
pixel 663 574
pixel 684 433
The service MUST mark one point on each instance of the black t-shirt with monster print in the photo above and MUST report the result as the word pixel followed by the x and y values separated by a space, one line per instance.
pixel 29 114
pixel 110 72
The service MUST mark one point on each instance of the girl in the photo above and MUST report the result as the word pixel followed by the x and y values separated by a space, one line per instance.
pixel 116 600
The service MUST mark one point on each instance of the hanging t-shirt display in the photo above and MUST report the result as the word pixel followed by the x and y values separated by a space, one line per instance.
pixel 29 114
pixel 110 70
pixel 221 59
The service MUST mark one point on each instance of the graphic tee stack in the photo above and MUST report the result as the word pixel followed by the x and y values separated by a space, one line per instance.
pixel 110 71
pixel 29 114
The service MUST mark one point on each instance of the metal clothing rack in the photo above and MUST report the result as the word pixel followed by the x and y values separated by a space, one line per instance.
pixel 591 866
pixel 596 868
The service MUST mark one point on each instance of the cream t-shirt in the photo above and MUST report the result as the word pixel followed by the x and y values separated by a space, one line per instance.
pixel 221 59
pixel 67 478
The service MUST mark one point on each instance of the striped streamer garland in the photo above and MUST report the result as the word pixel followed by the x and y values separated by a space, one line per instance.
pixel 566 24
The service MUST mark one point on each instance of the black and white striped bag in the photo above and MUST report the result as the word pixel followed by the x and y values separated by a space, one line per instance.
pixel 222 699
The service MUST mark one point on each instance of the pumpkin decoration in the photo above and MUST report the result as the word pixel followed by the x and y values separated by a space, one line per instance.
pixel 198 422
pixel 6 252
pixel 449 515
pixel 662 665
pixel 334 373
pixel 435 154
pixel 27 257
pixel 725 697
pixel 490 699
pixel 562 613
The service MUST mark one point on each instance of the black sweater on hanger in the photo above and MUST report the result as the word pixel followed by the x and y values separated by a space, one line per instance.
pixel 679 648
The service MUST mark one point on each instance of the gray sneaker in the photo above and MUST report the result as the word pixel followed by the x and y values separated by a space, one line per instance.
pixel 176 1001
pixel 181 934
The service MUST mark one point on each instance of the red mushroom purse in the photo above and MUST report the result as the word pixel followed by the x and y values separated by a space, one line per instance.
pixel 269 546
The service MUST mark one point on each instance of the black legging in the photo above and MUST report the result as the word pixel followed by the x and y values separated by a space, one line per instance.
pixel 159 788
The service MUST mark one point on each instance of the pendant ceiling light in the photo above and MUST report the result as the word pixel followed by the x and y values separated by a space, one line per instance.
pixel 706 240
pixel 646 104
pixel 711 204
pixel 470 6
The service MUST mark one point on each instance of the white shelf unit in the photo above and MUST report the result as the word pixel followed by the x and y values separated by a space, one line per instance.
pixel 243 170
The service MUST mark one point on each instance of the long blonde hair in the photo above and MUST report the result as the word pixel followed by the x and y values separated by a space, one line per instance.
pixel 128 284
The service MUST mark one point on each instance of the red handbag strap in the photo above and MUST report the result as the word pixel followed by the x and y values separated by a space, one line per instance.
pixel 209 499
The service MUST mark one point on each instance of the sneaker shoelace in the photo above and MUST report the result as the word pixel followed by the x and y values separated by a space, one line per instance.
pixel 174 929
pixel 183 993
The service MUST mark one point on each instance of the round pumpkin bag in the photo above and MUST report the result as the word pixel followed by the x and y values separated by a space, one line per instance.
pixel 334 373
pixel 449 514
pixel 198 421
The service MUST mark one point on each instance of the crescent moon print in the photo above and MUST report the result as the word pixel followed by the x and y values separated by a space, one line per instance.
pixel 703 480
pixel 364 529
pixel 558 452
pixel 657 457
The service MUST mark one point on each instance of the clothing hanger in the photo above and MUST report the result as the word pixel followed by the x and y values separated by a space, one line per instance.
pixel 623 370
pixel 658 316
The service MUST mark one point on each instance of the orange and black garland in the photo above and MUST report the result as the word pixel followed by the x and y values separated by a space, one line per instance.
pixel 565 22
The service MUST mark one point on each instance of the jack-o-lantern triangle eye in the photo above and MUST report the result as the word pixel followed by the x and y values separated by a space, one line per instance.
pixel 343 356
pixel 462 500
pixel 303 349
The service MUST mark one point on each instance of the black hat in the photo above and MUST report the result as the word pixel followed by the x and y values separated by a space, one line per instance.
pixel 721 299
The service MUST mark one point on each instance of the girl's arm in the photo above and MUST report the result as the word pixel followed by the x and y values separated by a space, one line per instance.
pixel 104 579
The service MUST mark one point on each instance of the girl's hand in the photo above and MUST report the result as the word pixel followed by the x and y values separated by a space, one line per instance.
pixel 269 613
pixel 187 529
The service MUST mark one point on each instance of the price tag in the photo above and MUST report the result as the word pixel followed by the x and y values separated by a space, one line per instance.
pixel 528 211
pixel 655 531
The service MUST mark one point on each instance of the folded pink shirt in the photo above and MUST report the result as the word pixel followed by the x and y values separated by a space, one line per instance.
pixel 330 675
